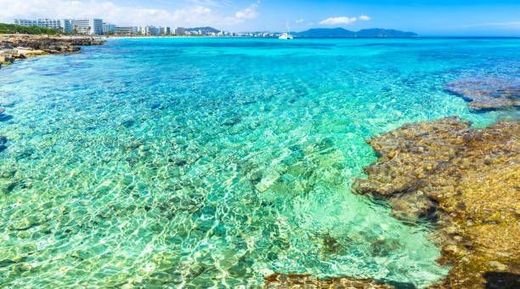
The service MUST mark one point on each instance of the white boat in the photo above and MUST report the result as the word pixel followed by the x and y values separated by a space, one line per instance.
pixel 286 36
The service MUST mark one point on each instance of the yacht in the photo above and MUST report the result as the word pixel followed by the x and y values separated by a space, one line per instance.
pixel 286 36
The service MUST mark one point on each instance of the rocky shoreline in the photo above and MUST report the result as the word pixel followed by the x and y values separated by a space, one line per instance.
pixel 14 47
pixel 466 182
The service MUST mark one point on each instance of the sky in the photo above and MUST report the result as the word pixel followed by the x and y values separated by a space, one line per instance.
pixel 428 18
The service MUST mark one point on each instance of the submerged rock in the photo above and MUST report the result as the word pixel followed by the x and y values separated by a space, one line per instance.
pixel 295 281
pixel 487 93
pixel 3 142
pixel 469 179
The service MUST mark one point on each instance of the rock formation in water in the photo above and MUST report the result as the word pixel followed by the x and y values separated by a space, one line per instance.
pixel 3 142
pixel 294 281
pixel 467 182
pixel 14 47
pixel 487 93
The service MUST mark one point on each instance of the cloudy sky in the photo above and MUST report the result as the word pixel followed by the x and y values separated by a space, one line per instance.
pixel 435 17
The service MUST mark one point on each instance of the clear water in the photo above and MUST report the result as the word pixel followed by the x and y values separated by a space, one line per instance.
pixel 197 163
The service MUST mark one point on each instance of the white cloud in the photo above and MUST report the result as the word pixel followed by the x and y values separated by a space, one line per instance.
pixel 248 13
pixel 194 13
pixel 301 20
pixel 344 20
pixel 338 20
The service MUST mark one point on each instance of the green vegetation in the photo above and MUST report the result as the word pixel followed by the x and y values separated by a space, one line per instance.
pixel 13 29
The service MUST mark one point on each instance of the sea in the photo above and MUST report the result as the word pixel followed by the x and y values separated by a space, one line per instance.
pixel 215 162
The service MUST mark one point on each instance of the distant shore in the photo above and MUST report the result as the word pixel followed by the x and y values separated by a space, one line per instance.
pixel 21 46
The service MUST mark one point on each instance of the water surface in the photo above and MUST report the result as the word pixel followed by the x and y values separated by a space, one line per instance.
pixel 197 163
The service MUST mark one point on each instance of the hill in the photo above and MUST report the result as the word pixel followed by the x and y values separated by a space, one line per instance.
pixel 344 33
pixel 203 30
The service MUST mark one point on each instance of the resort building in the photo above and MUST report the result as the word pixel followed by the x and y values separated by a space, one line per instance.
pixel 91 26
pixel 109 28
pixel 126 30
pixel 165 31
pixel 149 30
pixel 180 31
pixel 64 25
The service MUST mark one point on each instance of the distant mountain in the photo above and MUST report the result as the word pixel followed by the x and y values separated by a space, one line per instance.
pixel 326 33
pixel 344 33
pixel 203 30
pixel 384 33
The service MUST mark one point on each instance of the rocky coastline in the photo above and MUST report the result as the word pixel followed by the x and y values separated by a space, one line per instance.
pixel 463 181
pixel 466 182
pixel 14 47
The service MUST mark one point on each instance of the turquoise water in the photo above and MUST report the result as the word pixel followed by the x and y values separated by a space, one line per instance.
pixel 197 163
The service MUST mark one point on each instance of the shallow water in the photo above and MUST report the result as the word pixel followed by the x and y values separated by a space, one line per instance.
pixel 215 162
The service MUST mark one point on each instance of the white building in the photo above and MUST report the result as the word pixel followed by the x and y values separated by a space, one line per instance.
pixel 165 31
pixel 91 26
pixel 126 30
pixel 26 22
pixel 63 25
pixel 149 30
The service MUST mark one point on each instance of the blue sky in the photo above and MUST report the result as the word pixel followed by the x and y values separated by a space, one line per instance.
pixel 436 17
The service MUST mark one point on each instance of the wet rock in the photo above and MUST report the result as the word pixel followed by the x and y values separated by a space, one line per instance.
pixel 179 162
pixel 128 123
pixel 296 281
pixel 487 93
pixel 5 117
pixel 466 181
pixel 3 142
pixel 232 121
pixel 502 280
pixel 21 46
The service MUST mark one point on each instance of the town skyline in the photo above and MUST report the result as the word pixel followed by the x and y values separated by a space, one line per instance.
pixel 96 26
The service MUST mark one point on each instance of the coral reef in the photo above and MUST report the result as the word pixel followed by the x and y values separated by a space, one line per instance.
pixel 467 182
pixel 487 93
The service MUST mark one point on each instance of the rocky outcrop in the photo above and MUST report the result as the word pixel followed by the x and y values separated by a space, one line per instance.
pixel 464 180
pixel 485 94
pixel 14 47
pixel 294 281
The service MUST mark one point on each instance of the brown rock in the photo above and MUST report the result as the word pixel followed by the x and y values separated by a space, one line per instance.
pixel 22 46
pixel 469 179
pixel 295 281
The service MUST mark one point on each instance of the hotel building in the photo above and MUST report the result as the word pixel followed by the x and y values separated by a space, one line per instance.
pixel 91 26
pixel 64 25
